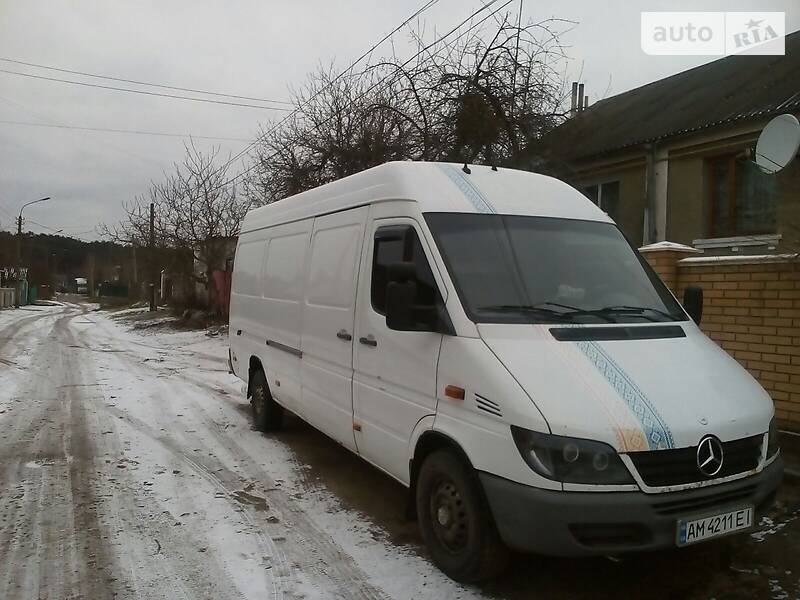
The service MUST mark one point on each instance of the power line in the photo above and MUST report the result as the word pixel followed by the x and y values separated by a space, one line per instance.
pixel 61 228
pixel 130 131
pixel 157 85
pixel 252 144
pixel 42 225
pixel 143 92
pixel 61 231
pixel 38 115
pixel 65 227
pixel 6 211
pixel 379 82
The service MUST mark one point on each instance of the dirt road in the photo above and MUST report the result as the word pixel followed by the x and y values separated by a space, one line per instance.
pixel 130 470
pixel 97 501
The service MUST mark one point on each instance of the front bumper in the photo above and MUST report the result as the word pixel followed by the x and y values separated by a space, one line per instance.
pixel 561 523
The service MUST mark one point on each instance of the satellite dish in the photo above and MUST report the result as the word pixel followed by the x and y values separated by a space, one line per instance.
pixel 778 143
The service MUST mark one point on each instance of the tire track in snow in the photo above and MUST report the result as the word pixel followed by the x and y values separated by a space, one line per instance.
pixel 62 534
pixel 178 570
pixel 39 461
pixel 281 572
pixel 311 548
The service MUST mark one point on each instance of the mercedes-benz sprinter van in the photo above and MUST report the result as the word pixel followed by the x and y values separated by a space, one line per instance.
pixel 490 339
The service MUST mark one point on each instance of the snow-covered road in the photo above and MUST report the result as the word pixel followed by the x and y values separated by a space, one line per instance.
pixel 130 469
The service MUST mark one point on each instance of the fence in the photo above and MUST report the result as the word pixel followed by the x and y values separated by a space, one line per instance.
pixel 751 307
pixel 6 297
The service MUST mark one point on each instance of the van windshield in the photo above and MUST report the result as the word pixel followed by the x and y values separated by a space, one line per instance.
pixel 519 269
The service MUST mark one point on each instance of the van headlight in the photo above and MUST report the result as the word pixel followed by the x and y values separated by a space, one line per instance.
pixel 570 460
pixel 773 445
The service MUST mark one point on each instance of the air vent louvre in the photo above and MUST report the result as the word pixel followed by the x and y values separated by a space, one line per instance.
pixel 489 406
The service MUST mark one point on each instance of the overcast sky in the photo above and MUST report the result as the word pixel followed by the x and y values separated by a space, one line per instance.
pixel 256 48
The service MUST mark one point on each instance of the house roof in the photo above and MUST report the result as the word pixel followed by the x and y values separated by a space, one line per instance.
pixel 728 90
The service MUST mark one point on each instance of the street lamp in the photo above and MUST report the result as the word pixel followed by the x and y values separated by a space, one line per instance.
pixel 19 248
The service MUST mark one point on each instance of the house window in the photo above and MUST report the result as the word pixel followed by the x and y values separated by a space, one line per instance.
pixel 606 196
pixel 743 199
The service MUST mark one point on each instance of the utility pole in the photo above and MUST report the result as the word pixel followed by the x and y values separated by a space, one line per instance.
pixel 152 243
pixel 19 249
pixel 18 286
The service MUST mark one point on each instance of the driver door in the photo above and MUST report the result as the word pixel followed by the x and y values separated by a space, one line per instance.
pixel 394 381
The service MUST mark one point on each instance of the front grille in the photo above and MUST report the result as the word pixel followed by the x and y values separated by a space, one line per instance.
pixel 659 468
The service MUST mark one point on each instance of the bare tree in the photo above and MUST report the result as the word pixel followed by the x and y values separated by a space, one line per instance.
pixel 340 128
pixel 197 210
pixel 486 96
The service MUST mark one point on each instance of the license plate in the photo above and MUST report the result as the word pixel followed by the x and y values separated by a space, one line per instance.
pixel 706 528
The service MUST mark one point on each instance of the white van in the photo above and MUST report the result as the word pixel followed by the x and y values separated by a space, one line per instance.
pixel 490 339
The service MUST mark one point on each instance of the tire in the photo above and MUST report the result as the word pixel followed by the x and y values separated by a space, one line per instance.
pixel 267 413
pixel 455 520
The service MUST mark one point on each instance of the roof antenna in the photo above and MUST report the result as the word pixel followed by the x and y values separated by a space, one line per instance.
pixel 466 169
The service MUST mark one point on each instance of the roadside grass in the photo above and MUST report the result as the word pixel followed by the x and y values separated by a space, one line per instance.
pixel 138 317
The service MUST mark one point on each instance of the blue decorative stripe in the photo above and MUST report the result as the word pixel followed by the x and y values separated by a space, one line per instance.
pixel 655 429
pixel 472 193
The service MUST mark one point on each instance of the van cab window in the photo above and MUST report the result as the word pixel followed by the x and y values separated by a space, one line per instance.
pixel 520 269
pixel 400 243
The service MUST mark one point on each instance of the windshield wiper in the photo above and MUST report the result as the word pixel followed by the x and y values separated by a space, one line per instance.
pixel 578 312
pixel 638 310
pixel 540 310
pixel 618 310
pixel 607 313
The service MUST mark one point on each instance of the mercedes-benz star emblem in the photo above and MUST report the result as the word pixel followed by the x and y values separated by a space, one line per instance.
pixel 709 456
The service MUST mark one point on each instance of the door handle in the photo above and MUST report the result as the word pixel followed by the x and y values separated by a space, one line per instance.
pixel 343 335
pixel 368 341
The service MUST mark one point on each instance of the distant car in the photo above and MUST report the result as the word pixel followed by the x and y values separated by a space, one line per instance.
pixel 490 339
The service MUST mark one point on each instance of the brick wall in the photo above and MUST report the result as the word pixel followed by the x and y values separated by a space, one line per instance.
pixel 751 307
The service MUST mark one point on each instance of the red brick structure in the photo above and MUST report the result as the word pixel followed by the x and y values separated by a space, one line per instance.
pixel 751 308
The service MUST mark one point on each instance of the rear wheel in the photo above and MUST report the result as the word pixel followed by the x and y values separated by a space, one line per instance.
pixel 267 413
pixel 455 520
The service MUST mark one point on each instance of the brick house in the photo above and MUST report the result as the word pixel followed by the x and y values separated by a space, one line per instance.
pixel 672 160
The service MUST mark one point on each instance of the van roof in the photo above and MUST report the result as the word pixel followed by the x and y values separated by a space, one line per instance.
pixel 436 187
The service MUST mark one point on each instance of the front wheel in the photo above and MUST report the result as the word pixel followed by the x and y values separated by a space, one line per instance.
pixel 455 521
pixel 267 413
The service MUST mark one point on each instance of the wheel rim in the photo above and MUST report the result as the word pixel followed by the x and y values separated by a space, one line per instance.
pixel 449 517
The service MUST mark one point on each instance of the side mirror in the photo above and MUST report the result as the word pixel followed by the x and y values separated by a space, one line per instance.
pixel 401 296
pixel 693 303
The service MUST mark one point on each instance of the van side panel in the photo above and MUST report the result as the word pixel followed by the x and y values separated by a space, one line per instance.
pixel 266 305
pixel 283 282
pixel 245 328
pixel 328 314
